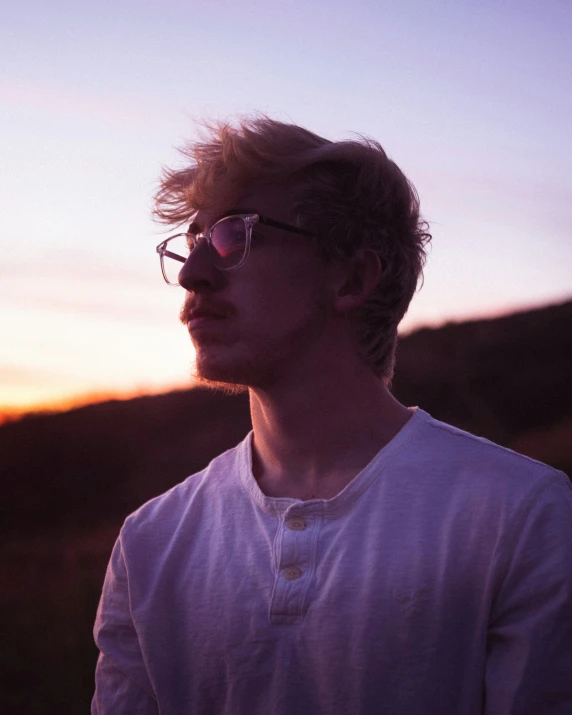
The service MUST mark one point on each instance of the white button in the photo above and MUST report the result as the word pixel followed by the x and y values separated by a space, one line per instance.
pixel 296 523
pixel 291 573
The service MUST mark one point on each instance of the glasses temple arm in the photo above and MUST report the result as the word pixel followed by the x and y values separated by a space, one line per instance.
pixel 284 226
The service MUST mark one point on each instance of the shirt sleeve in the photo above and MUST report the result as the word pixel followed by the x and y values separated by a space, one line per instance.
pixel 529 648
pixel 122 683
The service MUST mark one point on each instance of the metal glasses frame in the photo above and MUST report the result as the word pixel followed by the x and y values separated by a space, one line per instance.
pixel 250 220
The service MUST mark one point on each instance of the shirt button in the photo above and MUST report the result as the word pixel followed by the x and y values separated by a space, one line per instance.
pixel 296 523
pixel 291 573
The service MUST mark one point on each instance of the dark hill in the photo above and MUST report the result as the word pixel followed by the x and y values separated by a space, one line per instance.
pixel 498 378
pixel 69 479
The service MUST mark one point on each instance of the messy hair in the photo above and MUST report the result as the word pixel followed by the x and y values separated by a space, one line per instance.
pixel 349 194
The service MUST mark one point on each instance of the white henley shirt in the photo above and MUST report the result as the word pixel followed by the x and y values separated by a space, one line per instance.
pixel 438 582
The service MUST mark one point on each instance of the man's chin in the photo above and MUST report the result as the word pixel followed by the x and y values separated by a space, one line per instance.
pixel 232 373
pixel 218 378
pixel 229 388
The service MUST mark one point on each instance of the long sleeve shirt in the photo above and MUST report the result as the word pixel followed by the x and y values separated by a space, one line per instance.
pixel 438 582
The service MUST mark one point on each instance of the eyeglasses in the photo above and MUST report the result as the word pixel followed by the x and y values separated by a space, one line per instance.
pixel 228 240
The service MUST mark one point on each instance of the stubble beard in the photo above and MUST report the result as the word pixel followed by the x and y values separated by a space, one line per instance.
pixel 234 377
pixel 202 377
pixel 266 364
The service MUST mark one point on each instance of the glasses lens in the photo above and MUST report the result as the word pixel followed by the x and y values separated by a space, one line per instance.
pixel 173 257
pixel 228 241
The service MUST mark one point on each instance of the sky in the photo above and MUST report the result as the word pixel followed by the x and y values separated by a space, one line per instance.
pixel 471 98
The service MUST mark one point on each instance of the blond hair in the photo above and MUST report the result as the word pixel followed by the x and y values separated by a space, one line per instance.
pixel 348 193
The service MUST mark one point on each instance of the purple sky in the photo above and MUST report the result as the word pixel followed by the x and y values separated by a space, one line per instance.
pixel 472 99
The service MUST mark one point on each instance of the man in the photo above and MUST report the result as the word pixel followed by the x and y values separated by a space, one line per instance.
pixel 351 555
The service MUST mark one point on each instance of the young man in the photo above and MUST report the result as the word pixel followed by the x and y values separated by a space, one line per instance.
pixel 351 555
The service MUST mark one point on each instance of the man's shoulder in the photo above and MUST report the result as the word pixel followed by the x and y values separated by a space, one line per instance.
pixel 166 511
pixel 459 452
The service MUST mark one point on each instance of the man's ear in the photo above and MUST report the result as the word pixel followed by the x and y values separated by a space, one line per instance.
pixel 358 278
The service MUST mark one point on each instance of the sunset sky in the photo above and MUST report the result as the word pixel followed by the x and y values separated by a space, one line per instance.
pixel 472 98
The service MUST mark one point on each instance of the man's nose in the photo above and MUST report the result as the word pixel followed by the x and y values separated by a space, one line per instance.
pixel 198 273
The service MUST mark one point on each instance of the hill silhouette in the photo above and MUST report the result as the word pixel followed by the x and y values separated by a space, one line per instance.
pixel 70 479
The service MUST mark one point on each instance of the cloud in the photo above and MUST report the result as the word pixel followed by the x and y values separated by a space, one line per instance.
pixel 121 112
pixel 115 310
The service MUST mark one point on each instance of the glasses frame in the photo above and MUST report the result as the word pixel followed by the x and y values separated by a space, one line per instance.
pixel 250 220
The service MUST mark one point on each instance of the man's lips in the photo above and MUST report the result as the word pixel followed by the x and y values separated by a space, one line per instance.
pixel 200 317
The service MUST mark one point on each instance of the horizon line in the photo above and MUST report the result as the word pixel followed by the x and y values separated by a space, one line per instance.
pixel 12 413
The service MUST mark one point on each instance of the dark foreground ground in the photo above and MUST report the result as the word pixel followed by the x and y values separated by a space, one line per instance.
pixel 70 479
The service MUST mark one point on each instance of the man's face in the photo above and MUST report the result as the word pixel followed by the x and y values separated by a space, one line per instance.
pixel 258 323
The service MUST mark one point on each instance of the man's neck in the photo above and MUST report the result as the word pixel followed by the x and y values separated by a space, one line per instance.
pixel 312 440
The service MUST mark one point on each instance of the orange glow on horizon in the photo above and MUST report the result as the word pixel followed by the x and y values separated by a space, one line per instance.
pixel 11 413
pixel 14 410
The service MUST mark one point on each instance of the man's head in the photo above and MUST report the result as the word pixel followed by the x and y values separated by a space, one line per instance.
pixel 347 194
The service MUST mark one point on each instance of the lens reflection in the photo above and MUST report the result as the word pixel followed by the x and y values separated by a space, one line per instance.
pixel 228 241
